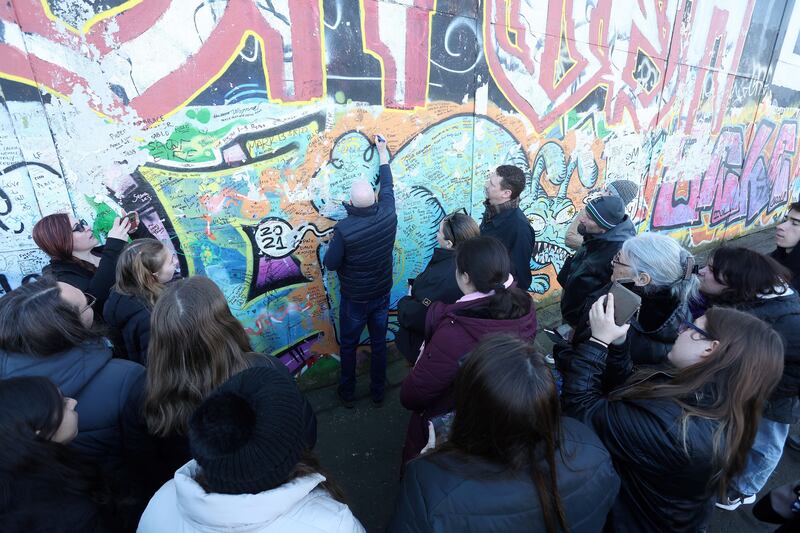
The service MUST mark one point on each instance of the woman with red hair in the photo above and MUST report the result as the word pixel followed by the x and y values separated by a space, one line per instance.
pixel 76 258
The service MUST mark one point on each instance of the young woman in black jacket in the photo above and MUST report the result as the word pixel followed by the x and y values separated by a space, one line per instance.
pixel 44 484
pixel 758 285
pixel 677 437
pixel 437 283
pixel 143 268
pixel 512 462
pixel 75 256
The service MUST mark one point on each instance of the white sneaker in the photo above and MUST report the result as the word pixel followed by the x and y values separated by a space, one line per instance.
pixel 733 504
pixel 550 360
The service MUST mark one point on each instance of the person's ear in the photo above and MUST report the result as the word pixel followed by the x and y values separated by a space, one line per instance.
pixel 448 244
pixel 643 279
pixel 711 347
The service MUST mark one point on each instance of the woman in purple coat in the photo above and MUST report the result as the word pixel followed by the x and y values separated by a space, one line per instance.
pixel 491 304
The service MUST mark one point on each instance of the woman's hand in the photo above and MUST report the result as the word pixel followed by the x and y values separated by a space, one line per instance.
pixel 601 320
pixel 120 229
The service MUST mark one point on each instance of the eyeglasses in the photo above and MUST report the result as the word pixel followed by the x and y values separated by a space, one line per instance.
pixel 616 261
pixel 449 219
pixel 690 325
pixel 90 300
pixel 80 226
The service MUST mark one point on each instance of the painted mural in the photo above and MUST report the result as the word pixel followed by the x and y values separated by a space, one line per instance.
pixel 235 127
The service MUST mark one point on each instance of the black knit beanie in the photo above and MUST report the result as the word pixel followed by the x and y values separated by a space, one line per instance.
pixel 247 436
pixel 607 211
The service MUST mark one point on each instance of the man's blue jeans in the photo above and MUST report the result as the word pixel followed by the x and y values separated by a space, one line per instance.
pixel 763 457
pixel 353 316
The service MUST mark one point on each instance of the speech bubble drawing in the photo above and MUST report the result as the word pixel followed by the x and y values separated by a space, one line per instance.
pixel 276 238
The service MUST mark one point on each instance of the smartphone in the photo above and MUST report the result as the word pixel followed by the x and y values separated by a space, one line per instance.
pixel 133 218
pixel 626 303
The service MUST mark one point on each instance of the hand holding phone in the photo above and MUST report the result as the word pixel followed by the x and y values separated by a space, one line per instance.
pixel 133 220
pixel 602 321
pixel 626 303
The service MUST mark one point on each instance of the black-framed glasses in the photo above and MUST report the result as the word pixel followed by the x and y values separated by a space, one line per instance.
pixel 80 226
pixel 449 219
pixel 616 260
pixel 90 300
pixel 691 325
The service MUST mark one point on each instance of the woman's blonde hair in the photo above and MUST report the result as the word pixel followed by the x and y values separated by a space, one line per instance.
pixel 136 268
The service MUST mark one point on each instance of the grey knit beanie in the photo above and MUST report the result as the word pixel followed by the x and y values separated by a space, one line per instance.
pixel 626 190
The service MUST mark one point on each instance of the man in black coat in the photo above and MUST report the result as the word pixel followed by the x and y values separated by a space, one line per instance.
pixel 787 237
pixel 361 253
pixel 505 221
pixel 604 227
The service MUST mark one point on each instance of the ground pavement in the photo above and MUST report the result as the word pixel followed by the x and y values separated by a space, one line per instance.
pixel 361 447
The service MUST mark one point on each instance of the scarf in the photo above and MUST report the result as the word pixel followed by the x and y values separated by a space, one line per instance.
pixel 492 210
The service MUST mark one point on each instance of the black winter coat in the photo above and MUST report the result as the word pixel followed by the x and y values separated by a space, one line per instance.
pixel 437 283
pixel 790 261
pixel 783 314
pixel 97 283
pixel 130 319
pixel 664 486
pixel 362 246
pixel 513 229
pixel 33 507
pixel 102 386
pixel 586 274
pixel 654 330
pixel 444 493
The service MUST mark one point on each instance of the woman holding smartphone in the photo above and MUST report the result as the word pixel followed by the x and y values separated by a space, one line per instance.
pixel 75 255
pixel 677 436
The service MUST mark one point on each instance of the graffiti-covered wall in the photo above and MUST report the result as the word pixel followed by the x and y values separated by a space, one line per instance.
pixel 234 128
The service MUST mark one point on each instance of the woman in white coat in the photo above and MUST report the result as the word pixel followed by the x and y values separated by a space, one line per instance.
pixel 251 471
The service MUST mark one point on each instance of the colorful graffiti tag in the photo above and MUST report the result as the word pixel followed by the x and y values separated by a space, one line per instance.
pixel 234 128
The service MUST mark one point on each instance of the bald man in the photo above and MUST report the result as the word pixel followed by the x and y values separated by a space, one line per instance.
pixel 361 254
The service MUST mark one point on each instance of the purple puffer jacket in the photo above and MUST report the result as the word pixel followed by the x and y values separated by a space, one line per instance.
pixel 448 337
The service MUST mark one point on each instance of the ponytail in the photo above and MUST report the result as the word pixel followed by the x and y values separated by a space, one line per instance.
pixel 486 261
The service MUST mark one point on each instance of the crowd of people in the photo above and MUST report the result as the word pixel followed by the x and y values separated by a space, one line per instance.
pixel 130 400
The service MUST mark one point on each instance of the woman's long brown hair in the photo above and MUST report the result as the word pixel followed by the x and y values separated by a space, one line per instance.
pixel 136 266
pixel 195 345
pixel 507 412
pixel 740 373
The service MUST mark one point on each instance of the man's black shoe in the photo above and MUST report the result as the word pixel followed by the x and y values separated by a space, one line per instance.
pixel 347 403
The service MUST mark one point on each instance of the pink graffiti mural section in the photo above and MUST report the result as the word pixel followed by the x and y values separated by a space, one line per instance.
pixel 738 185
